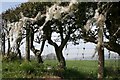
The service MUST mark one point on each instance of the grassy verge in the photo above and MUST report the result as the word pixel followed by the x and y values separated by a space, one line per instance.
pixel 76 70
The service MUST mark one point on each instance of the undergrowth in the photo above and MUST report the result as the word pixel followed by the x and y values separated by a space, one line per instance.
pixel 75 70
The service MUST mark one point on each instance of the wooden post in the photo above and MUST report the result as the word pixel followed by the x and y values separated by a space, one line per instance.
pixel 101 63
pixel 100 54
pixel 27 43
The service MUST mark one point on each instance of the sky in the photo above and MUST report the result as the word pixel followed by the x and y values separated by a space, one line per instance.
pixel 6 4
pixel 74 52
pixel 13 0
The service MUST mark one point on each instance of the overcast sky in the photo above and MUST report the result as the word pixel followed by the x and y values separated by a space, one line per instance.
pixel 72 51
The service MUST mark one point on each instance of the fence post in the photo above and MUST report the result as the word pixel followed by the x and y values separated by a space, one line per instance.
pixel 100 54
pixel 27 50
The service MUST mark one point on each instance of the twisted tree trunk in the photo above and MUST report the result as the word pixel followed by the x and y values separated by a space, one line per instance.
pixel 59 54
pixel 35 51
pixel 39 57
pixel 60 57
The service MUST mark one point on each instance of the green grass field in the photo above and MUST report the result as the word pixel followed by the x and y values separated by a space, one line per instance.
pixel 76 69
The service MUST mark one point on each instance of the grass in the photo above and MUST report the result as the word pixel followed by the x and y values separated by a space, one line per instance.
pixel 0 66
pixel 85 68
pixel 76 70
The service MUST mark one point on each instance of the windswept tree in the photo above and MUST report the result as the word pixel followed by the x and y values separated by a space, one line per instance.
pixel 98 15
pixel 99 21
pixel 60 20
pixel 16 24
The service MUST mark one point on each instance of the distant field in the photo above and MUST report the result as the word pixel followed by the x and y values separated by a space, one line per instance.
pixel 76 69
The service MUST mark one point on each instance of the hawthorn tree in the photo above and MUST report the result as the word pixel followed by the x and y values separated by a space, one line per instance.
pixel 62 26
pixel 104 11
pixel 12 16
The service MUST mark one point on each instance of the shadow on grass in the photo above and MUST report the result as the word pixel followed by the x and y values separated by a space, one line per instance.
pixel 74 74
pixel 112 73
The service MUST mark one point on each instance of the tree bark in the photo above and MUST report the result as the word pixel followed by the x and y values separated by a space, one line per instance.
pixel 3 44
pixel 8 51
